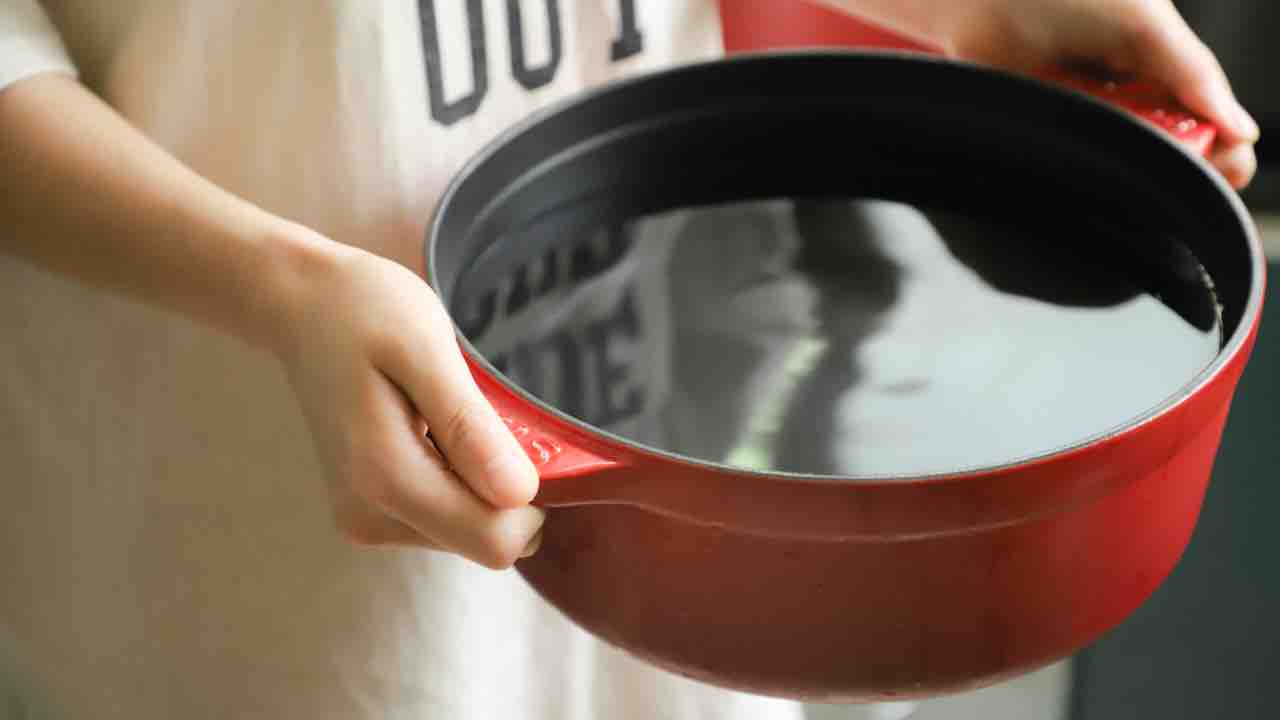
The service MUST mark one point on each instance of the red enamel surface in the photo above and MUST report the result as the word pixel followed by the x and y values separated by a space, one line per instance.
pixel 838 591
pixel 556 448
pixel 862 591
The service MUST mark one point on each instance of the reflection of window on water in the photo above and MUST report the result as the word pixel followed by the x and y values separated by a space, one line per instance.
pixel 566 264
pixel 577 370
pixel 556 332
pixel 843 337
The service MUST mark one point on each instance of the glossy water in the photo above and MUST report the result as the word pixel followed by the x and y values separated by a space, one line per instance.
pixel 846 337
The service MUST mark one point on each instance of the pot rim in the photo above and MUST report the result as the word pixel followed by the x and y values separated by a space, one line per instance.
pixel 1210 374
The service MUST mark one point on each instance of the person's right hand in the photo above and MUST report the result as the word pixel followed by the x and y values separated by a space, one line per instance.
pixel 373 359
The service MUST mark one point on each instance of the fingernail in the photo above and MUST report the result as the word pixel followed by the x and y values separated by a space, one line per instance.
pixel 1248 126
pixel 533 545
pixel 1229 112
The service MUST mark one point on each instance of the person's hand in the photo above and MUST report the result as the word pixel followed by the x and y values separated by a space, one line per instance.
pixel 367 346
pixel 1145 39
pixel 373 359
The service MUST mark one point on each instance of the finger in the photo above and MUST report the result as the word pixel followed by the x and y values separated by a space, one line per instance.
pixel 1173 56
pixel 400 476
pixel 1237 164
pixel 362 524
pixel 479 447
pixel 437 504
pixel 374 529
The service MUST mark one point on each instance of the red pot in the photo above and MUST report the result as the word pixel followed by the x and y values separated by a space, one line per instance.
pixel 836 588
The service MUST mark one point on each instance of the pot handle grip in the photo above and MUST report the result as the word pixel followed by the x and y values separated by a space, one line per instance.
pixel 557 448
pixel 1148 103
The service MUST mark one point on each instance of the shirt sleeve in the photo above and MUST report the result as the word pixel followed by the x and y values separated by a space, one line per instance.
pixel 29 43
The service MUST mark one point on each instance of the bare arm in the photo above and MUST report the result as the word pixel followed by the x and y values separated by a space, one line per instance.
pixel 85 194
pixel 366 344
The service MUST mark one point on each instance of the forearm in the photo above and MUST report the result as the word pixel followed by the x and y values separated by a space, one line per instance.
pixel 85 194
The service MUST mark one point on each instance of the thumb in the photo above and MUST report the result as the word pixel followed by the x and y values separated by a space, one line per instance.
pixel 474 441
pixel 1176 59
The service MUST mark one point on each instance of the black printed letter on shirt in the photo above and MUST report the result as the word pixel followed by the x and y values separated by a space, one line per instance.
pixel 529 77
pixel 630 40
pixel 447 113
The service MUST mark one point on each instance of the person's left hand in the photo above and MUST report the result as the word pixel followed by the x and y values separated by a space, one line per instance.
pixel 1144 39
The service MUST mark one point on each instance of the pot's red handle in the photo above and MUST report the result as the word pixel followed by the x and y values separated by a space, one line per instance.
pixel 755 25
pixel 557 448
pixel 1150 104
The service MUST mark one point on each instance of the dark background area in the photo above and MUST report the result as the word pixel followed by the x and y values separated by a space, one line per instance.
pixel 1207 644
pixel 1245 34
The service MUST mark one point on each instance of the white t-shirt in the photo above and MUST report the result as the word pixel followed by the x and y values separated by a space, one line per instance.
pixel 166 549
